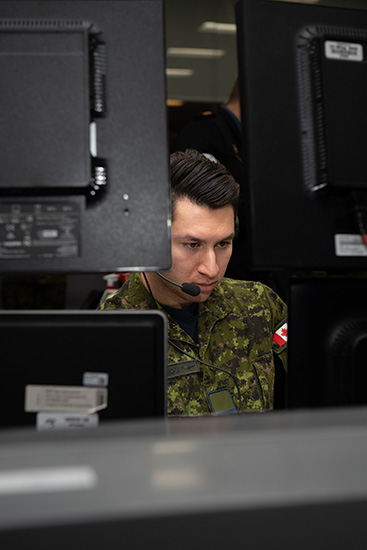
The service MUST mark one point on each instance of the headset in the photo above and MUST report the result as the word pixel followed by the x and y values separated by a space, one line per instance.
pixel 236 227
pixel 189 288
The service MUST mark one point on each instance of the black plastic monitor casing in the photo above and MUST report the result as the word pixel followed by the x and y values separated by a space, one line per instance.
pixel 84 180
pixel 123 353
pixel 327 342
pixel 303 80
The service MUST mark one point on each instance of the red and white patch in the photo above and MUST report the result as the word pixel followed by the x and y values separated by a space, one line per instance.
pixel 280 337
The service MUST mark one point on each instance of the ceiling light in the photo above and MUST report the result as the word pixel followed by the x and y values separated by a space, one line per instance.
pixel 195 52
pixel 218 28
pixel 179 72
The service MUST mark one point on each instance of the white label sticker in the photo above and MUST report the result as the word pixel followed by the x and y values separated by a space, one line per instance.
pixel 95 379
pixel 346 51
pixel 63 421
pixel 350 245
pixel 65 399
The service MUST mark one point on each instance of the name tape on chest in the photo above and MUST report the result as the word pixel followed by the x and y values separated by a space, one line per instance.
pixel 182 368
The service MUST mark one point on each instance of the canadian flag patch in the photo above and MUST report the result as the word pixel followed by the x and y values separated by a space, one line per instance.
pixel 280 336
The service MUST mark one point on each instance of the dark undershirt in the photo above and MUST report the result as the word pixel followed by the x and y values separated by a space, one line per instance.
pixel 187 318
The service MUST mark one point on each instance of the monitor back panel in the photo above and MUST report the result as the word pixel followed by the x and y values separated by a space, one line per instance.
pixel 81 366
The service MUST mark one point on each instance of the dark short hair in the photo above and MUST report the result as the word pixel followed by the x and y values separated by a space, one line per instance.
pixel 203 181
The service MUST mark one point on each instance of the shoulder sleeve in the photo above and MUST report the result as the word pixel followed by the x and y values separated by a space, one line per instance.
pixel 121 298
pixel 132 295
pixel 280 325
pixel 115 301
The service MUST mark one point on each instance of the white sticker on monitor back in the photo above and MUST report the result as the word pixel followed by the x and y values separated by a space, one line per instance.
pixel 346 51
pixel 64 421
pixel 65 399
pixel 349 245
pixel 95 379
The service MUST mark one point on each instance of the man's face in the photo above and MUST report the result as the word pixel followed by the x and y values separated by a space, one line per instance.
pixel 201 249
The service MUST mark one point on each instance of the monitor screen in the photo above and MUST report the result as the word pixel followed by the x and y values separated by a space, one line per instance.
pixel 80 368
pixel 327 342
pixel 84 180
pixel 303 80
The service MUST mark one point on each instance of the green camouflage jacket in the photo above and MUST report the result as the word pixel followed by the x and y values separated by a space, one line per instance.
pixel 234 357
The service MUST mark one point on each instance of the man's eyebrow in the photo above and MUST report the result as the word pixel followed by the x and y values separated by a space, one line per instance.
pixel 231 236
pixel 193 238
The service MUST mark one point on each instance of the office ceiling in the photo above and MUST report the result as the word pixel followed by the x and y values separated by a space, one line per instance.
pixel 208 79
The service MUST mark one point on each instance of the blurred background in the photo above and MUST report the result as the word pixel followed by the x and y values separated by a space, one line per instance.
pixel 201 54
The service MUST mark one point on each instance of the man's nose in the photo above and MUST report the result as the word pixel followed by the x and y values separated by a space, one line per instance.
pixel 208 265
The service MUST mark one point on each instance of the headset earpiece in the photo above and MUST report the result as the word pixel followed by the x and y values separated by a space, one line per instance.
pixel 236 227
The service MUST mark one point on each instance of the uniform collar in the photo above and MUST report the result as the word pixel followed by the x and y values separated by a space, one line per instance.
pixel 138 296
pixel 216 306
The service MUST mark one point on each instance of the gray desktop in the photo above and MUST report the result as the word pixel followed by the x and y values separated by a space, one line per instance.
pixel 281 479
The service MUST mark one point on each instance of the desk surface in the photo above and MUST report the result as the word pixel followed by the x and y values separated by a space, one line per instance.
pixel 183 467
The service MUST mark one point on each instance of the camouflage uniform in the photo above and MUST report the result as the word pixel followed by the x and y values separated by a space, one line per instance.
pixel 235 325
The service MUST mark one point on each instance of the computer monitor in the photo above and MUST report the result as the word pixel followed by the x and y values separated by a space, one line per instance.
pixel 84 180
pixel 303 80
pixel 80 368
pixel 327 342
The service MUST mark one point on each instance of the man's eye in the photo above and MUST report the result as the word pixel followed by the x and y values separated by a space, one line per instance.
pixel 224 244
pixel 191 245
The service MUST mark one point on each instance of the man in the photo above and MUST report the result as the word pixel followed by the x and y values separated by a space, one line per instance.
pixel 221 348
pixel 219 133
